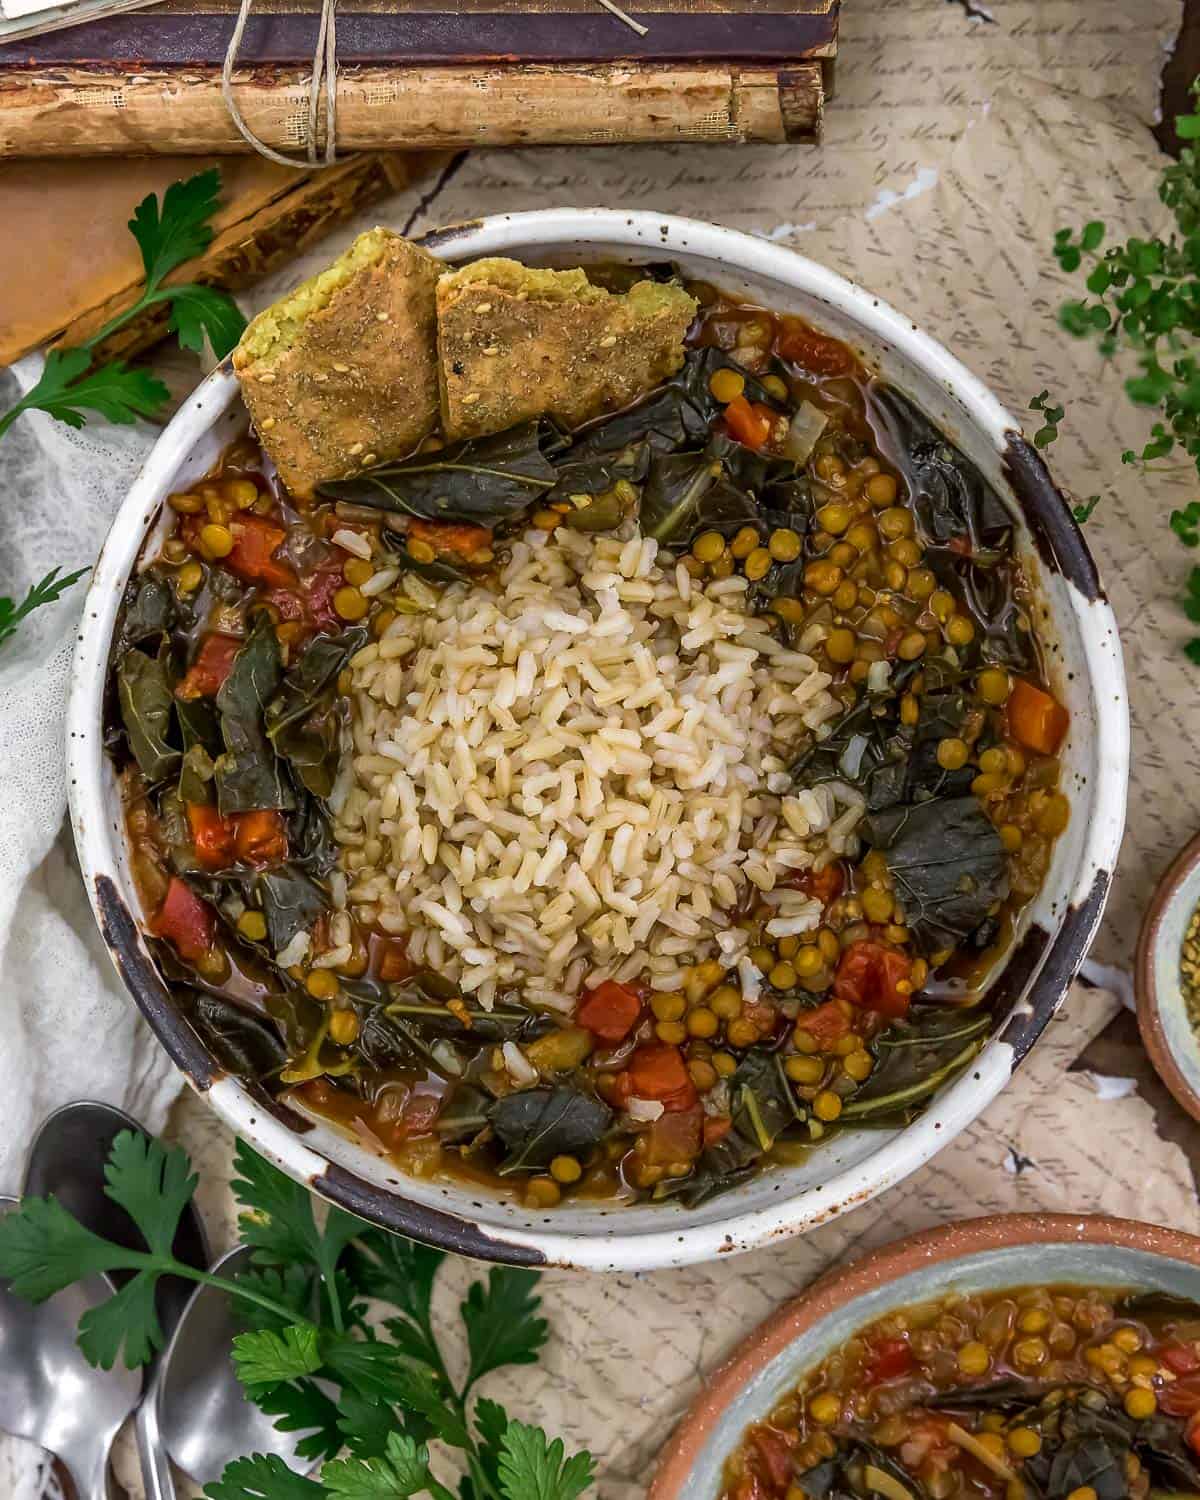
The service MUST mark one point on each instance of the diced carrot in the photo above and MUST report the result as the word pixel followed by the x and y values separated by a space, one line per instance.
pixel 657 1071
pixel 448 537
pixel 871 974
pixel 255 542
pixel 260 837
pixel 677 1135
pixel 773 1450
pixel 749 424
pixel 1035 719
pixel 822 885
pixel 186 921
pixel 213 664
pixel 828 1023
pixel 390 959
pixel 212 835
pixel 804 346
pixel 610 1010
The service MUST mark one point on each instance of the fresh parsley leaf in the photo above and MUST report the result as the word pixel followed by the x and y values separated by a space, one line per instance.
pixel 263 1360
pixel 65 392
pixel 402 1471
pixel 153 1183
pixel 127 1323
pixel 491 1423
pixel 531 1469
pixel 1083 511
pixel 380 1372
pixel 199 314
pixel 366 1424
pixel 1053 415
pixel 390 1269
pixel 47 591
pixel 501 1321
pixel 179 228
pixel 301 1406
pixel 43 1249
pixel 1192 652
pixel 290 1285
pixel 263 1477
pixel 280 1225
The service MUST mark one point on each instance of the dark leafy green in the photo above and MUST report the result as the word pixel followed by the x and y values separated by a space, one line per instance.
pixel 914 1058
pixel 249 775
pixel 539 1124
pixel 289 901
pixel 302 720
pixel 947 863
pixel 146 699
pixel 841 1477
pixel 239 1041
pixel 149 610
pixel 200 732
pixel 484 480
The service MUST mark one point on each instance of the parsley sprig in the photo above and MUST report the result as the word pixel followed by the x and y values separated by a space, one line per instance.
pixel 1145 300
pixel 1052 414
pixel 368 1400
pixel 168 233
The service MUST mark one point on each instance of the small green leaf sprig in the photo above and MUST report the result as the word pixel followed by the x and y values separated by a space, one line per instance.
pixel 168 233
pixel 304 1305
pixel 1046 434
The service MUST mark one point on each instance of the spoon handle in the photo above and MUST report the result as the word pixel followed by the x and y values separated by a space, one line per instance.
pixel 157 1479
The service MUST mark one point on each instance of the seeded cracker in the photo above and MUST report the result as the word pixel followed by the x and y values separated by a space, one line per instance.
pixel 517 343
pixel 342 373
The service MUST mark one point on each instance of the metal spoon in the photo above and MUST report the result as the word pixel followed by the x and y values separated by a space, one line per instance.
pixel 48 1391
pixel 67 1160
pixel 205 1418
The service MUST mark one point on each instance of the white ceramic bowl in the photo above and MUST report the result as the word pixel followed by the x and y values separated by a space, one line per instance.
pixel 1084 662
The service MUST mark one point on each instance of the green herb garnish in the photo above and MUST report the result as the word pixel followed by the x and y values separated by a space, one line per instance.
pixel 167 233
pixel 383 1393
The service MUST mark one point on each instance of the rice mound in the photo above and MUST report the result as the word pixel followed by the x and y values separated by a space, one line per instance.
pixel 579 773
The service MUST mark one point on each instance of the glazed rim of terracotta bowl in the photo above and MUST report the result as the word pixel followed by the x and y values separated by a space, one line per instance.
pixel 1155 1032
pixel 1079 639
pixel 1005 1250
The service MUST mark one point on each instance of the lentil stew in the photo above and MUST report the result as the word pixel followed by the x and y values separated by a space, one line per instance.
pixel 1032 1393
pixel 905 808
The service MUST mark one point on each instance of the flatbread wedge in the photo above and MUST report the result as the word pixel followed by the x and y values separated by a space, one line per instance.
pixel 342 373
pixel 517 343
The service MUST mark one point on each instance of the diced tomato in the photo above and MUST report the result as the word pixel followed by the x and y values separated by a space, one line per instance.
pixel 213 664
pixel 419 1115
pixel 1035 719
pixel 261 837
pixel 804 346
pixel 212 836
pixel 450 538
pixel 319 592
pixel 761 1014
pixel 1181 1398
pixel 657 1071
pixel 716 1128
pixel 186 921
pixel 749 424
pixel 828 1023
pixel 610 1011
pixel 824 885
pixel 390 959
pixel 886 1360
pixel 255 542
pixel 1180 1359
pixel 677 1135
pixel 870 974
pixel 773 1453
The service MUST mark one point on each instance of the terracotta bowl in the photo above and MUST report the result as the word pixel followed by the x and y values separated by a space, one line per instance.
pixel 1083 660
pixel 978 1255
pixel 1171 1040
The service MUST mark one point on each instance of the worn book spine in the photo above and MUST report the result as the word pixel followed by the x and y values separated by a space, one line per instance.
pixel 99 110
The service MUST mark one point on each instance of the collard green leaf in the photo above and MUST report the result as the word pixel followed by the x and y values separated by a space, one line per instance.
pixel 947 864
pixel 241 1043
pixel 915 1057
pixel 148 610
pixel 539 1124
pixel 687 493
pixel 249 775
pixel 144 692
pixel 200 731
pixel 483 481
pixel 290 903
pixel 302 719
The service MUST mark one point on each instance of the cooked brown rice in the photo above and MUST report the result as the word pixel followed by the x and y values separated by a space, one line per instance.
pixel 580 773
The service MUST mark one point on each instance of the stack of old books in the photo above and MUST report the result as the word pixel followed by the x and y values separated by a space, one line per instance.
pixel 413 73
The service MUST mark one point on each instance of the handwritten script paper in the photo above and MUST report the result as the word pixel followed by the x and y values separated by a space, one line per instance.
pixel 955 147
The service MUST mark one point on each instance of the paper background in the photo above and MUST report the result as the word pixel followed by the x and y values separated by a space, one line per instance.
pixel 962 135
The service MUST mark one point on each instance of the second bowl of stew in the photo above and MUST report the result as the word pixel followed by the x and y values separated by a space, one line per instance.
pixel 648 812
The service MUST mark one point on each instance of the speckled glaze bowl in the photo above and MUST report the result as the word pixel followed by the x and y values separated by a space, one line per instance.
pixel 978 1255
pixel 1083 658
pixel 1170 1038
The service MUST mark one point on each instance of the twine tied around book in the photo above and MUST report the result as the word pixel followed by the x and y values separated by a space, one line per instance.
pixel 324 72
